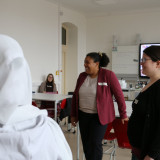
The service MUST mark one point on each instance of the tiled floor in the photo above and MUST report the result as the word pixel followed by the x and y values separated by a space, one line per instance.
pixel 121 154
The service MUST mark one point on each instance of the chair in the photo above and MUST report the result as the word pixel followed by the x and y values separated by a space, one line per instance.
pixel 63 103
pixel 69 117
pixel 49 106
pixel 66 112
pixel 34 104
pixel 65 108
pixel 121 133
pixel 110 136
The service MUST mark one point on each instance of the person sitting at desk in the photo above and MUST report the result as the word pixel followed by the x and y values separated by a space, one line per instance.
pixel 26 133
pixel 48 85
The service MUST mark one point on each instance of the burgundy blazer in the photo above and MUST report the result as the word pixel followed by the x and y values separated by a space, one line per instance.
pixel 107 86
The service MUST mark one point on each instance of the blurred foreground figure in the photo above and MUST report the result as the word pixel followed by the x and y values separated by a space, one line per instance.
pixel 26 133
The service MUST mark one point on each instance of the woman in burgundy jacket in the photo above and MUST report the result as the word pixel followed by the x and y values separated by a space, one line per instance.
pixel 92 103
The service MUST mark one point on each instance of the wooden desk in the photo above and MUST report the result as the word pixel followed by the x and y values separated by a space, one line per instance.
pixel 50 97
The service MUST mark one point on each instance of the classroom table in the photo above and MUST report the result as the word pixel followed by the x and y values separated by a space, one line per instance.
pixel 56 98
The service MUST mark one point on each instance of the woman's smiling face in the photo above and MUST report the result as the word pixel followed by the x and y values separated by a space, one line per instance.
pixel 50 78
pixel 148 66
pixel 91 67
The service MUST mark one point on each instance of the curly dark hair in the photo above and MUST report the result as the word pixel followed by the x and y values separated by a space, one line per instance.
pixel 102 58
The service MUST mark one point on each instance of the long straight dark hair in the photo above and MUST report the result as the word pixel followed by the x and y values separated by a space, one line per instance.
pixel 50 74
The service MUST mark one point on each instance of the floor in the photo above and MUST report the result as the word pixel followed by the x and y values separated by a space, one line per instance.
pixel 121 154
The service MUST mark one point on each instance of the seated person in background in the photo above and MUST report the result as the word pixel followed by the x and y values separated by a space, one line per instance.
pixel 48 85
pixel 25 131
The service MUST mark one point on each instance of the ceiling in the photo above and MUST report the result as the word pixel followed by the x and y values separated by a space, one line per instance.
pixel 109 7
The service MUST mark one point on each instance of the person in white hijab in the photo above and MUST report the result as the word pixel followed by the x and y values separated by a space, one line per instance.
pixel 26 133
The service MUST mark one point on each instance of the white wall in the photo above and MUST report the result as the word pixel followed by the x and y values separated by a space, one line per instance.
pixel 34 24
pixel 80 22
pixel 71 67
pixel 76 47
pixel 100 30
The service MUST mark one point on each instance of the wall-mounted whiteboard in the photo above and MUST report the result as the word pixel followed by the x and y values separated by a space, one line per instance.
pixel 125 60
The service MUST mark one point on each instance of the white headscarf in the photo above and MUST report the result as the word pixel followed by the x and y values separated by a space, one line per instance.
pixel 15 83
pixel 20 122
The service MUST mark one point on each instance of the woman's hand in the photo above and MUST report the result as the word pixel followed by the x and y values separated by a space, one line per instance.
pixel 73 121
pixel 125 119
pixel 148 158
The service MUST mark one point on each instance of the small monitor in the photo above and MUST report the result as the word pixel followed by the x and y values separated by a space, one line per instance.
pixel 143 46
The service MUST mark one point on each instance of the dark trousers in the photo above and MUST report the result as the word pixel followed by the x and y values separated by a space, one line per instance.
pixel 134 157
pixel 92 133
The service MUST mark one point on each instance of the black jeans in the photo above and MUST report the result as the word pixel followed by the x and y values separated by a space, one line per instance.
pixel 134 157
pixel 92 133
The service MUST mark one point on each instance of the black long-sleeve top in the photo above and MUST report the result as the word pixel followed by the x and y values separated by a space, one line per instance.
pixel 144 123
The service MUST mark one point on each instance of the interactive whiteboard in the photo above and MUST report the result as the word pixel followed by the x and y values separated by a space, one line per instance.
pixel 125 60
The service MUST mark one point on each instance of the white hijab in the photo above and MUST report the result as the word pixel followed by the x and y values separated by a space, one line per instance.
pixel 20 122
pixel 15 84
